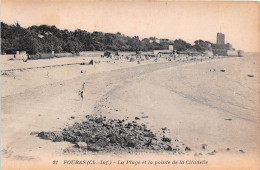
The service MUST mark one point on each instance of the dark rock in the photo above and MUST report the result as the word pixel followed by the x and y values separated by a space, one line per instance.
pixel 81 145
pixel 151 135
pixel 228 119
pixel 92 140
pixel 99 134
pixel 54 136
pixel 102 142
pixel 242 151
pixel 137 118
pixel 165 128
pixel 168 148
pixel 175 149
pixel 45 135
pixel 34 133
pixel 130 142
pixel 69 137
pixel 93 147
pixel 166 139
pixel 187 148
pixel 121 140
pixel 112 138
pixel 212 153
pixel 149 142
pixel 58 137
pixel 204 146
pixel 99 120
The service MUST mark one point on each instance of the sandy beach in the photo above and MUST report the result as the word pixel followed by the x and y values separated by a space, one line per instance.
pixel 212 106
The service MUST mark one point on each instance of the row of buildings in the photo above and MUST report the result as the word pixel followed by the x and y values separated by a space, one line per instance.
pixel 220 48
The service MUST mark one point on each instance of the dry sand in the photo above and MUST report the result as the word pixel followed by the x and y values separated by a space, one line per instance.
pixel 199 104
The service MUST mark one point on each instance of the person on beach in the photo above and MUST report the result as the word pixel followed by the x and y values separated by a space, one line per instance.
pixel 82 91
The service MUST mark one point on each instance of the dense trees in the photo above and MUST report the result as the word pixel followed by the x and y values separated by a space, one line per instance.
pixel 201 45
pixel 46 38
pixel 181 45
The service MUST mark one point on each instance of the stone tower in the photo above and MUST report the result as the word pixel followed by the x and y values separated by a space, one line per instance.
pixel 220 38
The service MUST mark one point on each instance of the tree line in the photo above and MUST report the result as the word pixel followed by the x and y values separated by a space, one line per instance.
pixel 45 39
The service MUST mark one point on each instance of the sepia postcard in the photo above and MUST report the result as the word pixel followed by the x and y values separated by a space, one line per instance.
pixel 130 84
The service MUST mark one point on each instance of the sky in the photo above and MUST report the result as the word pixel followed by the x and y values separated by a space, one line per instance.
pixel 239 21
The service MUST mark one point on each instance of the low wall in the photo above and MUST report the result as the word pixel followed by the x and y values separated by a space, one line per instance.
pixel 14 57
pixel 232 53
pixel 50 55
pixel 99 53
pixel 7 57
pixel 147 52
pixel 126 53
pixel 41 56
pixel 162 51
pixel 91 53
pixel 220 52
pixel 83 54
pixel 59 55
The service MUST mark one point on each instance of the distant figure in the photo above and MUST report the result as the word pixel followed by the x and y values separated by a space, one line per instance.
pixel 82 95
pixel 83 86
pixel 82 91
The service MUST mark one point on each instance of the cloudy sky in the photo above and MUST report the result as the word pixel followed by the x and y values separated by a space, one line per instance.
pixel 239 21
